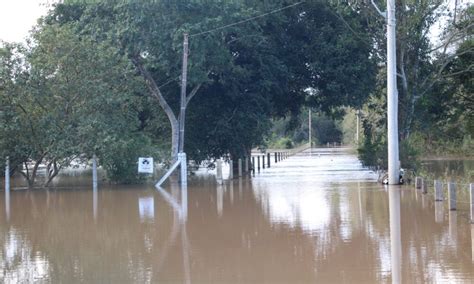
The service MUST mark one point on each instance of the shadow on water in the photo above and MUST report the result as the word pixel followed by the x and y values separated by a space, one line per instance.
pixel 311 218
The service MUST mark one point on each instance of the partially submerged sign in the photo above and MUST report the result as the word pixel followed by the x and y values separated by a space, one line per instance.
pixel 145 165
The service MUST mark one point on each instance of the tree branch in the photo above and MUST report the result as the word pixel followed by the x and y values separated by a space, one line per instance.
pixel 154 89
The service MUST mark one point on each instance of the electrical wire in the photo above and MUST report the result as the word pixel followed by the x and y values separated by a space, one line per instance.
pixel 247 20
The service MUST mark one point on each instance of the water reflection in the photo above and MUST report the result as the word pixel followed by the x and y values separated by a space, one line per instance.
pixel 179 226
pixel 395 234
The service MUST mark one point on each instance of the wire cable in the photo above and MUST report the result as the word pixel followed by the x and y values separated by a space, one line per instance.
pixel 247 20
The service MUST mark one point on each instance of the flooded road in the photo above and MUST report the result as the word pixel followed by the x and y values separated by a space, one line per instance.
pixel 315 217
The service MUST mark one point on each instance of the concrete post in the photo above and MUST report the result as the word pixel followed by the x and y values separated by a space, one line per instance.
pixel 268 159
pixel 219 171
pixel 7 175
pixel 184 169
pixel 452 195
pixel 438 190
pixel 240 167
pixel 424 186
pixel 231 169
pixel 263 161
pixel 94 173
pixel 246 165
pixel 418 182
pixel 258 163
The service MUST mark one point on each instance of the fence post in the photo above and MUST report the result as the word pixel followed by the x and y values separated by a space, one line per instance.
pixel 7 174
pixel 240 167
pixel 471 191
pixel 452 195
pixel 263 161
pixel 246 165
pixel 424 186
pixel 219 171
pixel 438 190
pixel 417 182
pixel 231 169
pixel 268 159
pixel 258 163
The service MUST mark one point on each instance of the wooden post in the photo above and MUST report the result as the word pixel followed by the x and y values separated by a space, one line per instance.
pixel 418 182
pixel 7 175
pixel 424 186
pixel 263 161
pixel 94 172
pixel 471 191
pixel 258 163
pixel 240 167
pixel 452 195
pixel 268 159
pixel 231 169
pixel 438 190
pixel 246 165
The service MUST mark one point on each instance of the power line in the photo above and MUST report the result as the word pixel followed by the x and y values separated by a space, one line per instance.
pixel 248 20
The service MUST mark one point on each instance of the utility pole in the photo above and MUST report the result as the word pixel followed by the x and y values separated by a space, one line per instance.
pixel 392 93
pixel 182 114
pixel 392 96
pixel 184 78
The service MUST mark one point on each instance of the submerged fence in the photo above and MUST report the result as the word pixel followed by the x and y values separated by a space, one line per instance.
pixel 452 190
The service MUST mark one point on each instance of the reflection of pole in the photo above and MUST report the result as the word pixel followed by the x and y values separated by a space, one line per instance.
pixel 185 247
pixel 184 202
pixel 7 188
pixel 95 202
pixel 453 226
pixel 392 96
pixel 220 199
pixel 395 234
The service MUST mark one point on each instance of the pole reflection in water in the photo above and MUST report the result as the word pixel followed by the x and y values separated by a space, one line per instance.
pixel 7 204
pixel 472 242
pixel 439 212
pixel 220 199
pixel 453 226
pixel 95 202
pixel 179 225
pixel 146 208
pixel 395 234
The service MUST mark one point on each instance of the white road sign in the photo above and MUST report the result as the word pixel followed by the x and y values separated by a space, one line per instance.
pixel 145 165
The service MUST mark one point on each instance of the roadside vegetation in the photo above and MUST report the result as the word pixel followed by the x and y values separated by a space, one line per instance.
pixel 103 79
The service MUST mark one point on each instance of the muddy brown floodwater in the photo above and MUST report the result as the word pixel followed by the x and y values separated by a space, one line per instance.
pixel 317 217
